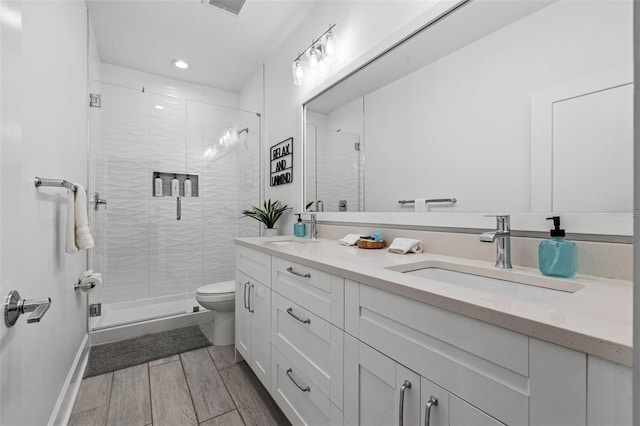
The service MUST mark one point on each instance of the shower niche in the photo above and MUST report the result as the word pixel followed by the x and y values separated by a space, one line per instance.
pixel 188 184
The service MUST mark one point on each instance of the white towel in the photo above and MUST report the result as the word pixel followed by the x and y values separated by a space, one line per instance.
pixel 84 240
pixel 349 239
pixel 405 245
pixel 78 233
pixel 420 205
pixel 70 246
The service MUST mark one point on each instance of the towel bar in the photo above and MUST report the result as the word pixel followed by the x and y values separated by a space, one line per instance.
pixel 433 200
pixel 55 182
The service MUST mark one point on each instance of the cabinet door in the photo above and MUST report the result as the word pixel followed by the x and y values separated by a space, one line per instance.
pixel 374 386
pixel 259 297
pixel 243 317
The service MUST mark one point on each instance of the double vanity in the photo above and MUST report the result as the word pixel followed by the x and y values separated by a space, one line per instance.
pixel 340 335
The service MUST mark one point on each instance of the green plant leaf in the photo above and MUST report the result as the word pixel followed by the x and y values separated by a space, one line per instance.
pixel 269 214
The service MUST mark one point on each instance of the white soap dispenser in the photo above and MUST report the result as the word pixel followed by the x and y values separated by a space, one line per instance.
pixel 175 186
pixel 157 185
pixel 187 187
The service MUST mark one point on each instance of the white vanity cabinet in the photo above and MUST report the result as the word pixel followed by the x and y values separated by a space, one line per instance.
pixel 253 311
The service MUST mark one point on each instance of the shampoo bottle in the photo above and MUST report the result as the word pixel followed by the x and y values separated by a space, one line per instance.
pixel 299 228
pixel 157 186
pixel 187 187
pixel 558 257
pixel 175 186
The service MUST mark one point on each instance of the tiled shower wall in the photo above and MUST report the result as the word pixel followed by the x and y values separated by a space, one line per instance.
pixel 149 123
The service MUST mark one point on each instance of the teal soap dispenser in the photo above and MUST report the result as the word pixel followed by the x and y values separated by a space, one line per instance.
pixel 299 229
pixel 558 257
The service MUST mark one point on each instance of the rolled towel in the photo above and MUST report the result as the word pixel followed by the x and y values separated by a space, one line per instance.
pixel 405 245
pixel 349 239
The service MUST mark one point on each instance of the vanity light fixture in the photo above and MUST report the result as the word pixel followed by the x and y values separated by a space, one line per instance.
pixel 322 49
pixel 178 63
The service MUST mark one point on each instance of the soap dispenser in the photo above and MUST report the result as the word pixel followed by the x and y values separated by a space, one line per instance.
pixel 558 257
pixel 299 229
pixel 157 183
pixel 187 187
pixel 175 186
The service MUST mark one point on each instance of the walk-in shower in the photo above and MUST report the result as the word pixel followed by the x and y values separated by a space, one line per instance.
pixel 154 246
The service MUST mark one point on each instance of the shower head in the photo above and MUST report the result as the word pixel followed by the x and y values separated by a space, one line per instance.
pixel 231 136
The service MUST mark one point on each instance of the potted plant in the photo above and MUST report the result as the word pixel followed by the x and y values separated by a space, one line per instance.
pixel 268 215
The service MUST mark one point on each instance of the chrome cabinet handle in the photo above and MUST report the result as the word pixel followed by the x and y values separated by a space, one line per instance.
pixel 406 385
pixel 244 298
pixel 305 321
pixel 303 389
pixel 427 410
pixel 250 287
pixel 290 269
pixel 178 208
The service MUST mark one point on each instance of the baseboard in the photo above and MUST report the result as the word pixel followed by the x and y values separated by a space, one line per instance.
pixel 62 411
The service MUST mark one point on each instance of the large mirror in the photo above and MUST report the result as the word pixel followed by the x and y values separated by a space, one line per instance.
pixel 514 106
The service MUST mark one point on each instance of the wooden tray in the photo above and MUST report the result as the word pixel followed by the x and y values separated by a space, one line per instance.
pixel 368 244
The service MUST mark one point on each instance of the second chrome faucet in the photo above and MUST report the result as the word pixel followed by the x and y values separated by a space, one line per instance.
pixel 502 237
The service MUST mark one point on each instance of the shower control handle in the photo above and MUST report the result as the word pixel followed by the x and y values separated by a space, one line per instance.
pixel 178 208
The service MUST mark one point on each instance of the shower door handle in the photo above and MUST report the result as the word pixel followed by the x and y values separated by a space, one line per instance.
pixel 178 208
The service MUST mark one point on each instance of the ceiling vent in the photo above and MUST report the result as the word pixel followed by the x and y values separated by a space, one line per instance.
pixel 231 6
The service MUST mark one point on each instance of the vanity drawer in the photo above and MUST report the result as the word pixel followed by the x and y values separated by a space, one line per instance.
pixel 318 291
pixel 254 263
pixel 311 342
pixel 483 364
pixel 298 396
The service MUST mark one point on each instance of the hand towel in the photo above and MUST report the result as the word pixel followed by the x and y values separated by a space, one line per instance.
pixel 420 205
pixel 405 245
pixel 349 239
pixel 70 245
pixel 84 240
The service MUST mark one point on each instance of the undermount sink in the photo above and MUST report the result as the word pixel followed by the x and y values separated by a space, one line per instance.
pixel 485 279
pixel 289 242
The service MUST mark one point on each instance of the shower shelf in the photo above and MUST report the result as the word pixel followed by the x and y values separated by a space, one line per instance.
pixel 166 183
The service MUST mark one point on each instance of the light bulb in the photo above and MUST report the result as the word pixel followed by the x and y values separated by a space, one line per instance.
pixel 331 48
pixel 314 58
pixel 297 68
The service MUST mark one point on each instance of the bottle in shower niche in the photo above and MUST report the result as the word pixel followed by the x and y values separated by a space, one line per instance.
pixel 187 187
pixel 157 186
pixel 175 186
pixel 558 257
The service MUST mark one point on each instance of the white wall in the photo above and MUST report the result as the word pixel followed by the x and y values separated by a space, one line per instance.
pixel 362 25
pixel 460 127
pixel 44 133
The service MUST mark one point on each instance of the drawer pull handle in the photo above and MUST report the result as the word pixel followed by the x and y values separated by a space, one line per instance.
pixel 250 287
pixel 305 321
pixel 303 389
pixel 290 269
pixel 406 385
pixel 244 299
pixel 427 410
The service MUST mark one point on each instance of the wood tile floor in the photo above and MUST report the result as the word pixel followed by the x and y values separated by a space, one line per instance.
pixel 204 387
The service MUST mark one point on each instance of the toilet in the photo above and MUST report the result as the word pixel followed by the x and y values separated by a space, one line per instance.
pixel 220 298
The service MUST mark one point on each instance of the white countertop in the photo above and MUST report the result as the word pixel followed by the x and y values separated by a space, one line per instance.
pixel 597 319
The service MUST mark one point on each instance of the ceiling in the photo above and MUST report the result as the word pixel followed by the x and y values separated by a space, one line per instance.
pixel 223 50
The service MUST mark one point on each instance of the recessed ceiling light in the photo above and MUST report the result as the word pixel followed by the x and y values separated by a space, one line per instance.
pixel 160 107
pixel 180 64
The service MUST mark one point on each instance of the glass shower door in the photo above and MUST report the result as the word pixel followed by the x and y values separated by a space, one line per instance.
pixel 140 243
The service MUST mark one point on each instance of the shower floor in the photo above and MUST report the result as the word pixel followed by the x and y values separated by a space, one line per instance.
pixel 123 313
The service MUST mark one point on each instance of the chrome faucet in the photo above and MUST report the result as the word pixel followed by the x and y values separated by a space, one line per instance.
pixel 503 236
pixel 313 231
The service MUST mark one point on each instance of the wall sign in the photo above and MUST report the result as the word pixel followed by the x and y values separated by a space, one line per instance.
pixel 281 163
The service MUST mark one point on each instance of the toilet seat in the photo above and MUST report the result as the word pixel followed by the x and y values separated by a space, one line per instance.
pixel 217 292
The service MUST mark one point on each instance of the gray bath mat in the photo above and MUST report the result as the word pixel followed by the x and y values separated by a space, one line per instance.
pixel 127 353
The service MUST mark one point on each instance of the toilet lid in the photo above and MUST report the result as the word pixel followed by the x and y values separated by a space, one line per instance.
pixel 217 288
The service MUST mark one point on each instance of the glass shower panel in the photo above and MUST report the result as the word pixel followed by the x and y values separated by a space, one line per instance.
pixel 338 170
pixel 153 256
